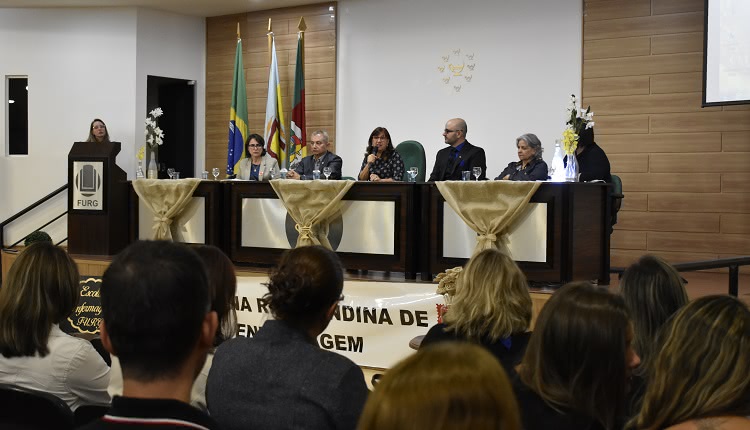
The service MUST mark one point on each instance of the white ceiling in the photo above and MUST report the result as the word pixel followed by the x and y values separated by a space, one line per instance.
pixel 187 7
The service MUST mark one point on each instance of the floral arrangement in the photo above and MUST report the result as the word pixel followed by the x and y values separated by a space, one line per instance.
pixel 154 135
pixel 578 120
pixel 447 282
pixel 141 153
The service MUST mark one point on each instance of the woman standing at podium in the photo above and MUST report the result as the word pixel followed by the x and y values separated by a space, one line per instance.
pixel 258 166
pixel 98 131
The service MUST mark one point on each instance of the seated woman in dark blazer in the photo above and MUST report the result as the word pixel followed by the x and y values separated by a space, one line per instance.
pixel 530 166
pixel 280 378
pixel 574 374
pixel 491 307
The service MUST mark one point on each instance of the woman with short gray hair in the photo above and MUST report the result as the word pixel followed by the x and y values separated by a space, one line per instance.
pixel 530 166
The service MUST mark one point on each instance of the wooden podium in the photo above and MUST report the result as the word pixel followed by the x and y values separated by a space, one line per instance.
pixel 97 200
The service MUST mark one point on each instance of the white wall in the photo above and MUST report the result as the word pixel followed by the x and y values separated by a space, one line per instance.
pixel 172 46
pixel 86 63
pixel 80 66
pixel 527 56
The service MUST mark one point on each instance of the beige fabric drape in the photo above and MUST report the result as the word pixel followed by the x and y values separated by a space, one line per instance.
pixel 166 199
pixel 488 207
pixel 312 205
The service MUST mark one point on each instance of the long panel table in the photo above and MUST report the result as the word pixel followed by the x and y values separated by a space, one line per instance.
pixel 401 227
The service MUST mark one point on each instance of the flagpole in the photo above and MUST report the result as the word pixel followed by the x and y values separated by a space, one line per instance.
pixel 238 31
pixel 297 125
pixel 270 39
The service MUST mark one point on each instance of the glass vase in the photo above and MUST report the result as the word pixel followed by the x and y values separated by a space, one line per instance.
pixel 139 171
pixel 571 169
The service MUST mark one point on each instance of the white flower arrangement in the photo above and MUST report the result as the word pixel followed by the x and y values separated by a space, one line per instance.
pixel 154 134
pixel 579 119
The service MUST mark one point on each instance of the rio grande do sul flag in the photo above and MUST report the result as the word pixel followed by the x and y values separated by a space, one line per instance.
pixel 297 135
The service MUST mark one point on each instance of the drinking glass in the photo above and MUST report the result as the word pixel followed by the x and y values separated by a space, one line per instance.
pixel 327 171
pixel 316 174
pixel 477 172
pixel 170 173
pixel 215 171
pixel 176 175
pixel 413 172
pixel 465 175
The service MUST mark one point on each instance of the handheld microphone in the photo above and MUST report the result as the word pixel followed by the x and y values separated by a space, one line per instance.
pixel 375 151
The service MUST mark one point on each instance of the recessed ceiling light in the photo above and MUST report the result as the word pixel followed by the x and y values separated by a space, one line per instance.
pixel 11 101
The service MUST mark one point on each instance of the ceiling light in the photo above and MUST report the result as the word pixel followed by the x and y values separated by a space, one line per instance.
pixel 11 101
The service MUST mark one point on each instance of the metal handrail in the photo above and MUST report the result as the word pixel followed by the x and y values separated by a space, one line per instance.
pixel 733 264
pixel 27 210
pixel 45 225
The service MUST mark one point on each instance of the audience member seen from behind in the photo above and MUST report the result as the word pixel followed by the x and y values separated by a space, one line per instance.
pixel 98 131
pixel 319 158
pixel 530 165
pixel 222 285
pixel 41 290
pixel 460 155
pixel 593 163
pixel 653 291
pixel 157 320
pixel 699 378
pixel 280 378
pixel 381 162
pixel 258 166
pixel 575 371
pixel 491 307
pixel 456 386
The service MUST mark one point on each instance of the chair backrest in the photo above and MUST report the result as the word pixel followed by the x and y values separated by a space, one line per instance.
pixel 617 195
pixel 412 153
pixel 27 409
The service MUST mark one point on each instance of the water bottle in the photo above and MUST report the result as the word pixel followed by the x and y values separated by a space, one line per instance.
pixel 282 173
pixel 557 168
pixel 316 170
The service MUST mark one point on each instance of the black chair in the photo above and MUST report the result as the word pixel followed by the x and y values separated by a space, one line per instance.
pixel 616 196
pixel 27 409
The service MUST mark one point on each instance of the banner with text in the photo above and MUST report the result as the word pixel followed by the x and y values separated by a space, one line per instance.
pixel 372 326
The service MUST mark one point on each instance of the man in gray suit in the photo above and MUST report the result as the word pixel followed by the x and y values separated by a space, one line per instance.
pixel 320 157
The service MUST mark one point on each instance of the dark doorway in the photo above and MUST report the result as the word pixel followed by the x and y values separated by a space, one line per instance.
pixel 176 97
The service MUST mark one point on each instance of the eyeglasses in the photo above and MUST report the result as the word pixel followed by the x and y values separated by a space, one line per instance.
pixel 379 138
pixel 451 131
pixel 254 146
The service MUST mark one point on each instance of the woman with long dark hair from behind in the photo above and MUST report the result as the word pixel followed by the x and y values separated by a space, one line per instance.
pixel 653 291
pixel 280 378
pixel 491 307
pixel 41 290
pixel 575 370
pixel 699 378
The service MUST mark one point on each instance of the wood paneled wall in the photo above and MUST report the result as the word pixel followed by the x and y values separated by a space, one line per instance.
pixel 320 70
pixel 685 169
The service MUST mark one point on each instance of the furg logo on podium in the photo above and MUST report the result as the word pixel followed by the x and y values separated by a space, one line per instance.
pixel 87 188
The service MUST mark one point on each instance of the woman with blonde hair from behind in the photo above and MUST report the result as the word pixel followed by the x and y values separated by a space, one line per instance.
pixel 491 307
pixel 452 386
pixel 700 378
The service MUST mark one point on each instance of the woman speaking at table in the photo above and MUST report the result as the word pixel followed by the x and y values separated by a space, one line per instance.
pixel 258 166
pixel 382 162
pixel 530 166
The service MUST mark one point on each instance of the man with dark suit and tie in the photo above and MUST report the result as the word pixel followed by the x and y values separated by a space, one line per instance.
pixel 320 157
pixel 459 156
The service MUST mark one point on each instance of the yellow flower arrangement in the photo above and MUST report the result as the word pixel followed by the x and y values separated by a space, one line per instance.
pixel 141 153
pixel 579 119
